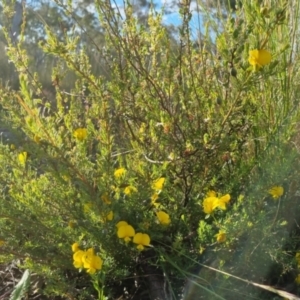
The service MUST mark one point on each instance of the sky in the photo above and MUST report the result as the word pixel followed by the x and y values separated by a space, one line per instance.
pixel 173 17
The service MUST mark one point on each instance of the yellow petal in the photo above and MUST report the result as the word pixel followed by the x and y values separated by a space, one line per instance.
pixel 78 256
pixel 78 264
pixel 75 247
pixel 129 189
pixel 221 204
pixel 158 184
pixel 80 134
pixel 163 218
pixel 146 239
pixel 23 157
pixel 141 239
pixel 119 172
pixel 97 262
pixel 210 204
pixel 140 247
pixel 91 271
pixel 125 231
pixel 264 57
pixel 225 198
pixel 221 236
pixel 276 191
pixel 121 223
pixel 259 58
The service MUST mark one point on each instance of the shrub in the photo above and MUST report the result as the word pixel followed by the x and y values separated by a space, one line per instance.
pixel 164 162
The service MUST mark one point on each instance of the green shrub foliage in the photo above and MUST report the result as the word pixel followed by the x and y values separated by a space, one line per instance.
pixel 191 142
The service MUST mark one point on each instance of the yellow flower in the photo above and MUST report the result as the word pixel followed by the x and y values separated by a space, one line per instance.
pixel 158 184
pixel 221 236
pixel 129 189
pixel 120 172
pixel 91 262
pixel 209 204
pixel 23 157
pixel 259 58
pixel 75 247
pixel 223 201
pixel 77 257
pixel 110 216
pixel 213 202
pixel 276 191
pixel 163 218
pixel 126 232
pixel 142 240
pixel 297 280
pixel 80 134
pixel 121 223
pixel 87 256
pixel 94 264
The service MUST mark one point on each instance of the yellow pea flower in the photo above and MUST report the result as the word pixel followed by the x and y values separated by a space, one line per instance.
pixel 209 204
pixel 91 262
pixel 163 218
pixel 121 223
pixel 80 134
pixel 129 190
pixel 142 240
pixel 119 172
pixel 75 247
pixel 259 58
pixel 158 184
pixel 95 263
pixel 77 259
pixel 222 201
pixel 22 157
pixel 276 191
pixel 213 202
pixel 126 232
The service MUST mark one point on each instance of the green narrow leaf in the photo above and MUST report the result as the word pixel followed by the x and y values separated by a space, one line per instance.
pixel 22 287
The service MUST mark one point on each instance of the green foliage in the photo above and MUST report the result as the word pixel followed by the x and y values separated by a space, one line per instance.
pixel 160 126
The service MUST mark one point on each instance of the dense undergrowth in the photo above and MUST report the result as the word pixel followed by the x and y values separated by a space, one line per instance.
pixel 180 162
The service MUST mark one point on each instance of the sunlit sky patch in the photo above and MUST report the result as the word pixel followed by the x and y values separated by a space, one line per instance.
pixel 171 14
